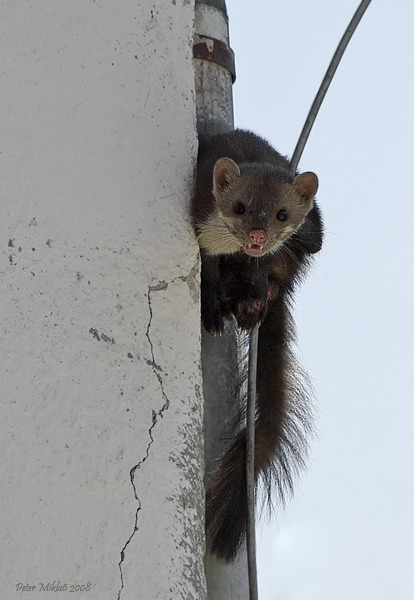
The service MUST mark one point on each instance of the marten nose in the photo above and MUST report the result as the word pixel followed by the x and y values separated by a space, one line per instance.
pixel 257 236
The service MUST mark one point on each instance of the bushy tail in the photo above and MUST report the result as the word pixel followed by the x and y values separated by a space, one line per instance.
pixel 283 422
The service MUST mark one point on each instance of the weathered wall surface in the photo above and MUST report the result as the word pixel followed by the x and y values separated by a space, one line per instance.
pixel 101 451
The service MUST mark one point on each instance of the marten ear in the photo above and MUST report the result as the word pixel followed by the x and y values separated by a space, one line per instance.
pixel 306 185
pixel 224 174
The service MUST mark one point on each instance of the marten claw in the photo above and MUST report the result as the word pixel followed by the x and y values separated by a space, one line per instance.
pixel 214 327
pixel 213 320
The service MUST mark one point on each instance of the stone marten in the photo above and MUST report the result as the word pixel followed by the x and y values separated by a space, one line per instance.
pixel 257 224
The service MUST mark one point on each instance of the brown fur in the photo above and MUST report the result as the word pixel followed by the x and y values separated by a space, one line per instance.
pixel 253 283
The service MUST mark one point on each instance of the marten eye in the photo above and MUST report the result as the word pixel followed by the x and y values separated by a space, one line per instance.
pixel 282 215
pixel 239 208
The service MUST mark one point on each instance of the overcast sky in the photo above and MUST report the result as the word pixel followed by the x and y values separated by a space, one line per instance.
pixel 349 533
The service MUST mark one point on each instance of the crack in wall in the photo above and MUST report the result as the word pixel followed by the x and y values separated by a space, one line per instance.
pixel 131 475
pixel 192 281
pixel 157 369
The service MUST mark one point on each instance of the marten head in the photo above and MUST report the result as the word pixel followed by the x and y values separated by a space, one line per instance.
pixel 257 207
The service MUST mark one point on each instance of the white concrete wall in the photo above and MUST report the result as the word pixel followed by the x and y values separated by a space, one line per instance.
pixel 101 443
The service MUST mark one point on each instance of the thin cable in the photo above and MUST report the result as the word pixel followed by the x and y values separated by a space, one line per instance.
pixel 250 471
pixel 254 334
pixel 326 82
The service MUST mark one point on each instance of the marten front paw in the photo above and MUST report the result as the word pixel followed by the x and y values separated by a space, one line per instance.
pixel 213 315
pixel 250 312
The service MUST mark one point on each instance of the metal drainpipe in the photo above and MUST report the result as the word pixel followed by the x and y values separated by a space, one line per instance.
pixel 214 76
